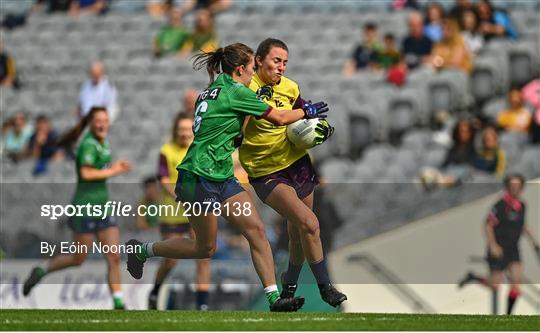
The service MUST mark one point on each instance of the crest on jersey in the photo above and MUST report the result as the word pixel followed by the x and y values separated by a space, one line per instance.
pixel 265 93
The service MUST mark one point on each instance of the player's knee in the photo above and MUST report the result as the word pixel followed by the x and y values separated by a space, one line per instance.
pixel 206 251
pixel 210 252
pixel 310 225
pixel 254 233
pixel 258 231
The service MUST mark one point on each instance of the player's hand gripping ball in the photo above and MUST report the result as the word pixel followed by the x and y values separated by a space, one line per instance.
pixel 324 131
pixel 308 133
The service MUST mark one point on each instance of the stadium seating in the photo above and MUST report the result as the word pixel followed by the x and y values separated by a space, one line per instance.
pixel 365 109
pixel 492 108
pixel 488 78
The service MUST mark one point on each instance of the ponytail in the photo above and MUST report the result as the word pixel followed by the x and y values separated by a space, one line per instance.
pixel 68 138
pixel 211 60
pixel 224 59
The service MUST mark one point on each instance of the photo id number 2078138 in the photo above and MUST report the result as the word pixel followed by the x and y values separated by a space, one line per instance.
pixel 216 208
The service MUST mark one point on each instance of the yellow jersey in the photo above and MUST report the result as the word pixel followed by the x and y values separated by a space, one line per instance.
pixel 172 154
pixel 519 121
pixel 265 148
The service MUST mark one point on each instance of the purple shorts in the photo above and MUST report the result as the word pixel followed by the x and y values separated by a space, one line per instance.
pixel 174 228
pixel 300 175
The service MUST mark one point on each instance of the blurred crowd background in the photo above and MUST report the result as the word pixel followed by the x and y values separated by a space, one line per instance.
pixel 433 102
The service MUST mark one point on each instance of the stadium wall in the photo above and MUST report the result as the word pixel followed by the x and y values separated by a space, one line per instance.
pixel 415 268
pixel 83 287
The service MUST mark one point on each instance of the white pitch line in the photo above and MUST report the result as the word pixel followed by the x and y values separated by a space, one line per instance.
pixel 173 321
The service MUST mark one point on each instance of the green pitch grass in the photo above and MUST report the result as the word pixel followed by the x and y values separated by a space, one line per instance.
pixel 64 320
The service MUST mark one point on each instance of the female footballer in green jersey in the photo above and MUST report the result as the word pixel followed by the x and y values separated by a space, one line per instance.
pixel 206 178
pixel 172 225
pixel 93 159
pixel 282 174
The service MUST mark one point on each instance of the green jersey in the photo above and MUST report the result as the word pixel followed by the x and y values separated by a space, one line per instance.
pixel 171 39
pixel 219 115
pixel 95 154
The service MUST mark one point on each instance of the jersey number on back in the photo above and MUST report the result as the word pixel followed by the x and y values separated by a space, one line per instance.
pixel 203 106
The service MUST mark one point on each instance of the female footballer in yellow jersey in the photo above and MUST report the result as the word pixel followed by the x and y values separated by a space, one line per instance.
pixel 170 225
pixel 206 172
pixel 282 174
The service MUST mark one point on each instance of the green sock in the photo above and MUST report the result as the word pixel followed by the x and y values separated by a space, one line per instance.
pixel 41 272
pixel 118 300
pixel 272 297
pixel 145 252
pixel 118 303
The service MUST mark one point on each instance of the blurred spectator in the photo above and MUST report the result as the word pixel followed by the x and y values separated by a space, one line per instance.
pixel 416 47
pixel 98 91
pixel 213 6
pixel 8 73
pixel 17 137
pixel 52 6
pixel 158 8
pixel 458 163
pixel 535 128
pixel 389 55
pixel 42 146
pixel 189 99
pixel 490 158
pixel 397 74
pixel 459 8
pixel 365 52
pixel 451 52
pixel 204 37
pixel 462 151
pixel 11 21
pixel 531 96
pixel 494 22
pixel 151 195
pixel 434 20
pixel 7 126
pixel 470 33
pixel 83 7
pixel 173 37
pixel 516 118
pixel 405 4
